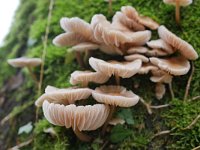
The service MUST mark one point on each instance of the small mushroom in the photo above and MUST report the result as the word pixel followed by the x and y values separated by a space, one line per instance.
pixel 137 49
pixel 114 96
pixel 146 67
pixel 26 62
pixel 80 118
pixel 175 65
pixel 63 96
pixel 160 90
pixel 182 46
pixel 115 121
pixel 160 44
pixel 156 52
pixel 84 77
pixel 135 57
pixel 118 69
pixel 178 3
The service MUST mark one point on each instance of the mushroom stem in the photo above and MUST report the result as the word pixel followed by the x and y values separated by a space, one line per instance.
pixel 177 12
pixel 79 59
pixel 171 90
pixel 33 76
pixel 82 136
pixel 84 84
pixel 148 106
pixel 112 110
pixel 117 79
pixel 86 56
pixel 189 82
pixel 161 133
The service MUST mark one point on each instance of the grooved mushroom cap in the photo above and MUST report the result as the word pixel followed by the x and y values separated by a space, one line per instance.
pixel 132 14
pixel 87 76
pixel 160 90
pixel 156 52
pixel 63 96
pixel 82 47
pixel 78 26
pixel 81 117
pixel 182 46
pixel 115 95
pixel 24 62
pixel 110 49
pixel 176 65
pixel 135 57
pixel 160 44
pixel 181 2
pixel 146 67
pixel 138 49
pixel 122 69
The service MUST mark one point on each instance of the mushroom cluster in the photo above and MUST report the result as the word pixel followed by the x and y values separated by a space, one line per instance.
pixel 127 37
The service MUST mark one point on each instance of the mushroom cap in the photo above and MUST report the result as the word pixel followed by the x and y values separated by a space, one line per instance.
pixel 181 2
pixel 160 44
pixel 135 57
pixel 148 22
pixel 110 49
pixel 160 90
pixel 68 39
pixel 78 26
pixel 160 76
pixel 182 46
pixel 87 76
pixel 137 49
pixel 156 52
pixel 146 67
pixel 63 96
pixel 122 69
pixel 24 62
pixel 81 117
pixel 82 47
pixel 175 65
pixel 115 95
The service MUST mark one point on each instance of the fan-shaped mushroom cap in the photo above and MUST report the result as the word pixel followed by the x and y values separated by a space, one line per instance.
pixel 115 95
pixel 160 90
pixel 68 39
pixel 115 121
pixel 182 46
pixel 135 57
pixel 110 49
pixel 160 44
pixel 87 76
pixel 138 49
pixel 63 96
pixel 132 14
pixel 81 117
pixel 82 47
pixel 181 2
pixel 78 26
pixel 122 69
pixel 160 76
pixel 156 52
pixel 146 67
pixel 176 65
pixel 24 62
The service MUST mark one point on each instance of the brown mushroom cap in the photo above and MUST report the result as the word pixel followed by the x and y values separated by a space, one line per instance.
pixel 176 65
pixel 148 22
pixel 82 47
pixel 85 77
pixel 24 62
pixel 182 46
pixel 122 69
pixel 156 52
pixel 63 96
pixel 81 117
pixel 115 95
pixel 181 2
pixel 135 57
pixel 160 44
pixel 160 76
pixel 146 67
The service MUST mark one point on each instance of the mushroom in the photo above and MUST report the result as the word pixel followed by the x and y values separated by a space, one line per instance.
pixel 115 121
pixel 64 96
pixel 118 69
pixel 178 3
pixel 80 118
pixel 26 62
pixel 132 14
pixel 182 46
pixel 84 77
pixel 160 90
pixel 114 96
pixel 137 49
pixel 160 44
pixel 156 52
pixel 135 57
pixel 146 67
